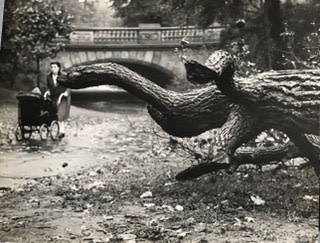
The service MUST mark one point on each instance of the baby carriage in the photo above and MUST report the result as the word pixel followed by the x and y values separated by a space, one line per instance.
pixel 36 114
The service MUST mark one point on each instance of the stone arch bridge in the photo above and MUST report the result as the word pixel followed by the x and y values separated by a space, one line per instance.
pixel 148 50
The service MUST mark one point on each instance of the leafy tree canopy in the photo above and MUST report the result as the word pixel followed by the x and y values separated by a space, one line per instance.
pixel 176 12
pixel 265 28
pixel 29 28
pixel 302 33
pixel 82 11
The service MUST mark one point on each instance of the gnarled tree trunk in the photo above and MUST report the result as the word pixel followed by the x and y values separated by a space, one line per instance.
pixel 242 107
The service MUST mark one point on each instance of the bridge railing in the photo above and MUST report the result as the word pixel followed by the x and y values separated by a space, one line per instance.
pixel 138 35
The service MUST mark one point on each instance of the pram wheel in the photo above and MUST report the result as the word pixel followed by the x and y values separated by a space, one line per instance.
pixel 26 132
pixel 44 131
pixel 23 132
pixel 54 130
pixel 18 133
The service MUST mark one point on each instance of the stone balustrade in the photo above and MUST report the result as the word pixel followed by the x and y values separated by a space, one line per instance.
pixel 145 35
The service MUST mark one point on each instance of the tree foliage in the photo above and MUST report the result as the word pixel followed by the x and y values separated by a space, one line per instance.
pixel 28 31
pixel 302 34
pixel 180 12
pixel 135 12
pixel 83 12
pixel 265 22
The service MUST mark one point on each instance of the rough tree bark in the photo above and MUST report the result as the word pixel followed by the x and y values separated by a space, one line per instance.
pixel 288 101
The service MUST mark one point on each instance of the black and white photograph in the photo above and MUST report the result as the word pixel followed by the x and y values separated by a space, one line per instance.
pixel 168 121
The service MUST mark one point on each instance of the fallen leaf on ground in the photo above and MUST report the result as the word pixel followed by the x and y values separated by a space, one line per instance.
pixel 179 208
pixel 257 200
pixel 146 194
pixel 149 205
pixel 310 198
pixel 249 219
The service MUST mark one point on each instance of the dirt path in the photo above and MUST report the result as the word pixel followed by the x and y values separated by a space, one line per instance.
pixel 90 134
pixel 111 179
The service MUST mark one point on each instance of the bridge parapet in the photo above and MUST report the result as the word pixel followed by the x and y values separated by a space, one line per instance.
pixel 145 35
pixel 150 49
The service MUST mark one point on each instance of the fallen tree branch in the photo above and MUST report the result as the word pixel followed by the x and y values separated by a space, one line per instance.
pixel 287 100
pixel 256 156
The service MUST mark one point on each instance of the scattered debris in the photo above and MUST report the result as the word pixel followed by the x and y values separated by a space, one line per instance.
pixel 170 208
pixel 149 205
pixel 183 235
pixel 311 198
pixel 201 227
pixel 108 217
pixel 257 200
pixel 249 219
pixel 179 208
pixel 147 194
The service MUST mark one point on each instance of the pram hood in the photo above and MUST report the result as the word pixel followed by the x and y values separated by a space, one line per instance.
pixel 29 96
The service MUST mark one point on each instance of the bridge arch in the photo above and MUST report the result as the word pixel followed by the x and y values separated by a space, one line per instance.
pixel 154 72
pixel 160 66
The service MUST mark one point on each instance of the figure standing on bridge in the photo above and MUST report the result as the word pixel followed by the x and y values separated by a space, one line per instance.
pixel 59 94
